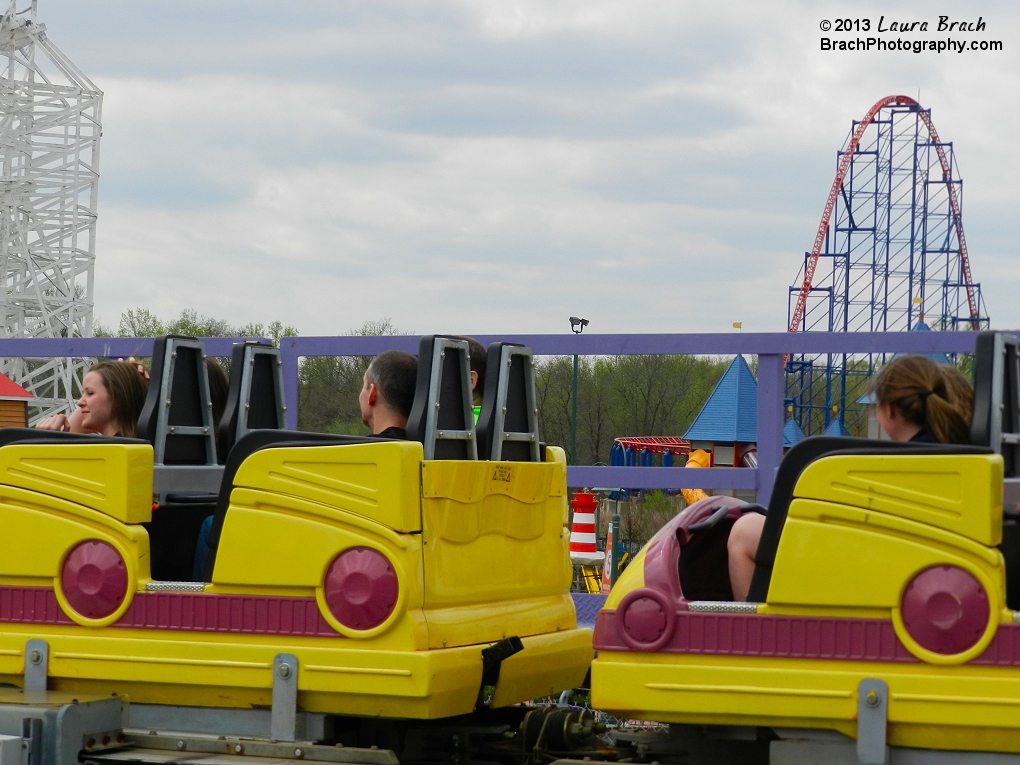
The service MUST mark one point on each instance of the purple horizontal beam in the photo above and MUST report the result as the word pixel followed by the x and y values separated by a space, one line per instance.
pixel 116 347
pixel 660 478
pixel 717 344
pixel 542 345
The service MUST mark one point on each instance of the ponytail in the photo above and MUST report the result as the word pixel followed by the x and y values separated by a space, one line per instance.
pixel 938 399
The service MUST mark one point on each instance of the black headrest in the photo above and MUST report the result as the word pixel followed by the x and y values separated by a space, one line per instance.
pixel 255 395
pixel 10 436
pixel 177 416
pixel 442 416
pixel 508 424
pixel 997 397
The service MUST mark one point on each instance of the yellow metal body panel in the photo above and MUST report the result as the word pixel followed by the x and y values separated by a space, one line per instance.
pixel 115 479
pixel 292 511
pixel 547 665
pixel 378 480
pixel 49 527
pixel 961 494
pixel 838 555
pixel 335 675
pixel 632 578
pixel 930 706
pixel 496 550
pixel 293 541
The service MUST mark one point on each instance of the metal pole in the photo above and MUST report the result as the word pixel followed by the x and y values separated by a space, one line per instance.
pixel 573 416
pixel 615 559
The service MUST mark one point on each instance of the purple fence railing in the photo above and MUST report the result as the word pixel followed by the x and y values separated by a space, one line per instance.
pixel 770 348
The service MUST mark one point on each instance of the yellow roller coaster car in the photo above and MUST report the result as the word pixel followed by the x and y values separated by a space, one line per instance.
pixel 383 571
pixel 879 596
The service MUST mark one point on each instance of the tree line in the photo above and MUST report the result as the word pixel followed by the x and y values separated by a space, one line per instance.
pixel 616 395
pixel 621 396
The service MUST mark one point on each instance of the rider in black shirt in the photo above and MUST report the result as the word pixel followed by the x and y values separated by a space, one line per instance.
pixel 387 393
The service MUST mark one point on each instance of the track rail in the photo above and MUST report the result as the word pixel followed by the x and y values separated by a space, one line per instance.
pixel 837 184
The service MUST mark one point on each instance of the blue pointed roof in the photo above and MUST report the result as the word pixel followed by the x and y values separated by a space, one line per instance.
pixel 731 412
pixel 938 358
pixel 836 429
pixel 792 433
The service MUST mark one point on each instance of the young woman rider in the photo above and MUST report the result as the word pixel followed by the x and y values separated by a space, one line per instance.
pixel 113 393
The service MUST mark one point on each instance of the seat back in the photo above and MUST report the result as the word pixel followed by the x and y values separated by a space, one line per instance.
pixel 996 421
pixel 244 448
pixel 255 397
pixel 996 424
pixel 796 460
pixel 442 416
pixel 34 435
pixel 177 416
pixel 508 423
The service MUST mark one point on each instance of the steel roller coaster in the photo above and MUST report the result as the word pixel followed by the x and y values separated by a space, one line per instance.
pixel 889 254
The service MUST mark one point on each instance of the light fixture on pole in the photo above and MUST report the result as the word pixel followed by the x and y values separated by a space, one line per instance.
pixel 577 326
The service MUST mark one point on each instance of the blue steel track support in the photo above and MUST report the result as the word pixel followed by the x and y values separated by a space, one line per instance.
pixel 891 259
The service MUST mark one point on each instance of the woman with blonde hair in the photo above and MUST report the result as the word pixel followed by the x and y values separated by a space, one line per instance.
pixel 916 400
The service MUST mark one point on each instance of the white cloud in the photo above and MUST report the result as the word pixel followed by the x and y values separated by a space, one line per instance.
pixel 497 166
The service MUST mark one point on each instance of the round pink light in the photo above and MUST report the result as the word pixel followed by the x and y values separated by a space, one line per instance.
pixel 647 619
pixel 945 609
pixel 94 579
pixel 361 588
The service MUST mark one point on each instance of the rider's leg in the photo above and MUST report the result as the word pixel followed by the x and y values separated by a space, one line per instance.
pixel 741 547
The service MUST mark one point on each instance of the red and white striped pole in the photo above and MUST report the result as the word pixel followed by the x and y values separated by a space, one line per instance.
pixel 582 531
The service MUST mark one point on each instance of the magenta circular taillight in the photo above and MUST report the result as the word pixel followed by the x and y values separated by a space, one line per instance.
pixel 945 609
pixel 361 588
pixel 94 579
pixel 646 619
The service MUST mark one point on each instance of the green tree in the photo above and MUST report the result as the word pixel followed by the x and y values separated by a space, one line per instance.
pixel 328 386
pixel 140 322
pixel 276 331
pixel 622 396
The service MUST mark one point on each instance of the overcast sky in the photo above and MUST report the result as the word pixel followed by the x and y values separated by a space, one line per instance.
pixel 496 166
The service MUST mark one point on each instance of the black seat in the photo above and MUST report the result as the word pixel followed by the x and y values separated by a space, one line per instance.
pixel 442 416
pixel 255 396
pixel 996 421
pixel 796 460
pixel 177 420
pixel 508 423
pixel 244 448
pixel 177 415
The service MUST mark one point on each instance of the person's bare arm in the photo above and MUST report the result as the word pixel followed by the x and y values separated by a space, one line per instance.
pixel 56 422
pixel 74 422
pixel 66 423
